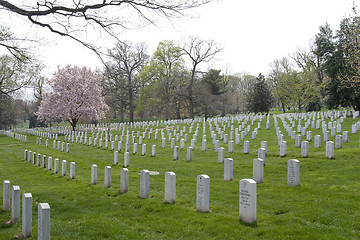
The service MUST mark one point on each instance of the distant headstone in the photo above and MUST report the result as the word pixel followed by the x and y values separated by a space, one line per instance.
pixel 262 154
pixel 124 180
pixel 56 165
pixel 107 177
pixel 189 154
pixel 246 147
pixel 176 152
pixel 338 141
pixel 228 169
pixel 126 159
pixel 317 141
pixel 330 149
pixel 72 170
pixel 153 150
pixel 49 163
pixel 221 155
pixel 216 145
pixel 298 141
pixel 293 172
pixel 283 149
pixel 247 201
pixel 116 157
pixel 63 168
pixel 304 148
pixel 203 193
pixel 143 149
pixel 231 146
pixel 258 170
pixel 93 174
pixel 134 148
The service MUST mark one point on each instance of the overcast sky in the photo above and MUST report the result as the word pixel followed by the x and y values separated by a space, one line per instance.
pixel 252 33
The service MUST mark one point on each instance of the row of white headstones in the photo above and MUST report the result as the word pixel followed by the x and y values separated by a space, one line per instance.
pixel 247 192
pixel 43 211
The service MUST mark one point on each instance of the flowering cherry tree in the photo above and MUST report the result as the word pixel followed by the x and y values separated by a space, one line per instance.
pixel 76 95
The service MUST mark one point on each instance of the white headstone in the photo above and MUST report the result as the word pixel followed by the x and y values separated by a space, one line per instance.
pixel 56 165
pixel 153 150
pixel 49 163
pixel 126 159
pixel 15 204
pixel 247 201
pixel 246 147
pixel 43 221
pixel 317 141
pixel 304 148
pixel 231 146
pixel 298 141
pixel 330 149
pixel 6 195
pixel 143 149
pixel 189 154
pixel 93 174
pixel 221 155
pixel 124 180
pixel 293 172
pixel 144 183
pixel 134 148
pixel 63 168
pixel 27 215
pixel 258 170
pixel 107 177
pixel 203 193
pixel 283 149
pixel 72 170
pixel 176 152
pixel 338 141
pixel 170 187
pixel 262 154
pixel 228 169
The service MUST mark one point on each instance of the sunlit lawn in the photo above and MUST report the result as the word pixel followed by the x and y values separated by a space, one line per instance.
pixel 325 206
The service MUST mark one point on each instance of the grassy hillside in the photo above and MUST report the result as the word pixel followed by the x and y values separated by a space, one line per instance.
pixel 325 206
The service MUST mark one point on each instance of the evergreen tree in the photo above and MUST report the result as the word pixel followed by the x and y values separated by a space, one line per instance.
pixel 259 98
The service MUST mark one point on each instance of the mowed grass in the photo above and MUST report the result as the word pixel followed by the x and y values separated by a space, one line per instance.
pixel 325 206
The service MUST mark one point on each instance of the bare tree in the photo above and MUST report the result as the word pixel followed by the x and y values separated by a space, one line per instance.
pixel 198 51
pixel 127 61
pixel 74 18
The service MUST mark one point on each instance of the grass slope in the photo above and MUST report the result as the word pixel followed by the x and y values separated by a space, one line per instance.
pixel 325 206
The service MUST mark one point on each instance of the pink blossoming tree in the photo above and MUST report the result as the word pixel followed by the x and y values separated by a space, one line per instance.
pixel 76 95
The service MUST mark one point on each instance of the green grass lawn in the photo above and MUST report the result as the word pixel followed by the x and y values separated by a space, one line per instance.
pixel 325 206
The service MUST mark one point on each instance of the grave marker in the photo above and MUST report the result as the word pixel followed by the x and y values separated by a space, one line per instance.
pixel 170 187
pixel 43 221
pixel 203 193
pixel 144 183
pixel 124 180
pixel 247 201
pixel 258 170
pixel 107 177
pixel 93 174
pixel 293 172
pixel 228 169
pixel 27 215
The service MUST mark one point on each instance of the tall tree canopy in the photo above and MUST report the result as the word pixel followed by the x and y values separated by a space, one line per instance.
pixel 76 95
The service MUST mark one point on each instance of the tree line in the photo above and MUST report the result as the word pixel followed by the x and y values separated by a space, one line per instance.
pixel 171 83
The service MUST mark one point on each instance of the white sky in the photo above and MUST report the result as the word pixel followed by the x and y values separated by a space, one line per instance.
pixel 252 33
